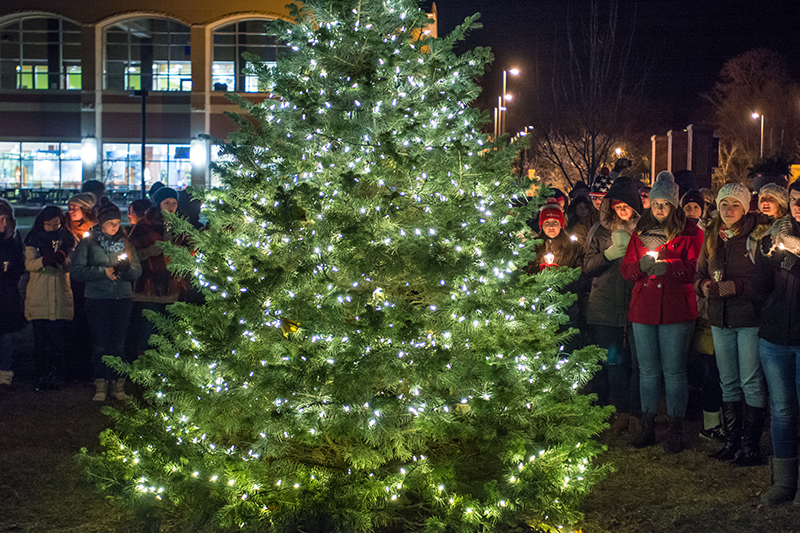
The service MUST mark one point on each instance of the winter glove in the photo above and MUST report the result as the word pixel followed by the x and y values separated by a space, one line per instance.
pixel 646 263
pixel 659 268
pixel 122 267
pixel 621 238
pixel 614 252
pixel 723 289
pixel 788 262
pixel 60 257
pixel 49 259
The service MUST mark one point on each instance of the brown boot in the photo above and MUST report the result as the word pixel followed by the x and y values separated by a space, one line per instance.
pixel 100 390
pixel 118 389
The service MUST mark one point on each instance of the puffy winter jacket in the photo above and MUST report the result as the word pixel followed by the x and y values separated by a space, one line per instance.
pixel 48 295
pixel 667 299
pixel 89 263
pixel 732 260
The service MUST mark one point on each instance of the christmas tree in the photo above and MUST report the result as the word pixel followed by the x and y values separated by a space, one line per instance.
pixel 371 355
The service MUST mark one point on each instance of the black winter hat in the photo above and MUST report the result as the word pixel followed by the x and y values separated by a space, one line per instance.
pixel 693 196
pixel 624 189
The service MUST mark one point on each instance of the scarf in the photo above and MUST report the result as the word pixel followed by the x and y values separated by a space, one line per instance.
pixel 782 232
pixel 50 241
pixel 726 233
pixel 113 245
pixel 654 237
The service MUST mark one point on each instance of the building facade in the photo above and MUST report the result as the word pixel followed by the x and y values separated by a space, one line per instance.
pixel 78 80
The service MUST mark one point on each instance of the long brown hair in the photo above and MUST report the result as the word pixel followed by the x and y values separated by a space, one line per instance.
pixel 673 224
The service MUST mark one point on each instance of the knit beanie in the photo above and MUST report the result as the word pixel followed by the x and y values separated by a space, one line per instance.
pixel 162 194
pixel 777 192
pixel 551 210
pixel 154 188
pixel 665 188
pixel 737 191
pixel 601 184
pixel 580 189
pixel 693 196
pixel 85 200
pixel 108 212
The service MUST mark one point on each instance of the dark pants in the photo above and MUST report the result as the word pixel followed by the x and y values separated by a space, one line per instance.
pixel 108 323
pixel 612 381
pixel 141 328
pixel 48 347
pixel 704 375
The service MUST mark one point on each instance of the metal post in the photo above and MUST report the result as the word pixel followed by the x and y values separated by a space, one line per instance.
pixel 503 99
pixel 762 135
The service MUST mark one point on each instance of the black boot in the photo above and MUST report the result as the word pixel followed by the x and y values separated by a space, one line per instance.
pixel 648 435
pixel 753 426
pixel 732 423
pixel 674 442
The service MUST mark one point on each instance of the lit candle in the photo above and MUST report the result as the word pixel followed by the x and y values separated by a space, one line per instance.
pixel 123 257
pixel 781 246
pixel 573 238
pixel 654 255
pixel 549 258
pixel 86 234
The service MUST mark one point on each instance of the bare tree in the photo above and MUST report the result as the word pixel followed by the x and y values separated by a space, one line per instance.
pixel 592 85
pixel 755 81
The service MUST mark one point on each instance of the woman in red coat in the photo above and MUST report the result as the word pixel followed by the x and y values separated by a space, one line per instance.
pixel 661 259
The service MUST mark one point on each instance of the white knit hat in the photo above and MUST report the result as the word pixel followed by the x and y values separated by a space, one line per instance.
pixel 781 194
pixel 665 188
pixel 737 191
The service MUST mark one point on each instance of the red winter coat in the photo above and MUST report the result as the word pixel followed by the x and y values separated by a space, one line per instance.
pixel 667 299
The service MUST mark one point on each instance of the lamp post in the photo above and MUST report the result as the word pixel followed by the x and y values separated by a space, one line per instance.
pixel 755 116
pixel 499 116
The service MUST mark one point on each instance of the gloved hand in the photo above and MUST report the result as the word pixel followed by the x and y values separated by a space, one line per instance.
pixel 49 259
pixel 122 267
pixel 646 263
pixel 723 289
pixel 659 268
pixel 60 257
pixel 620 239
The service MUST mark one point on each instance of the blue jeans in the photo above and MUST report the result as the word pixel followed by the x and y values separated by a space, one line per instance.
pixel 740 372
pixel 663 348
pixel 782 370
pixel 6 348
pixel 108 324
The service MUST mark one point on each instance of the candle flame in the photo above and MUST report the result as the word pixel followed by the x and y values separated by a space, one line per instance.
pixel 654 255
pixel 549 258
pixel 123 257
pixel 86 234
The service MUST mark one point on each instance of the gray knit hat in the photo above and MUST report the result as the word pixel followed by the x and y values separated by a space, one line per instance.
pixel 665 188
pixel 781 194
pixel 737 191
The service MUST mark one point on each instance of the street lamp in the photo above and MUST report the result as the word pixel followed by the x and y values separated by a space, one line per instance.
pixel 755 116
pixel 499 117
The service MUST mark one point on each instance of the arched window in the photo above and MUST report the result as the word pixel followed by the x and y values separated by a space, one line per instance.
pixel 40 53
pixel 230 42
pixel 149 53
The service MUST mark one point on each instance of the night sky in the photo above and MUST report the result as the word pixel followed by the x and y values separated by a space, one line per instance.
pixel 684 42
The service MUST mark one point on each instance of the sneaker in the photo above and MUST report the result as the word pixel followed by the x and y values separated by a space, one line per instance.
pixel 713 434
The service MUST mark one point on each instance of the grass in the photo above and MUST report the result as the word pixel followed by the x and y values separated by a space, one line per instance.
pixel 40 433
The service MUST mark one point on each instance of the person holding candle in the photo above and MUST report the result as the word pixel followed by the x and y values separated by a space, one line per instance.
pixel 777 277
pixel 660 259
pixel 724 273
pixel 106 263
pixel 81 214
pixel 608 300
pixel 48 293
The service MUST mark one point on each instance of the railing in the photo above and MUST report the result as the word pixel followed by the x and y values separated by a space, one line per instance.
pixel 44 196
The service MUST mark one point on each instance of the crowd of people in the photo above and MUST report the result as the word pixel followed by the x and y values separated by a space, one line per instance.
pixel 680 286
pixel 687 289
pixel 84 281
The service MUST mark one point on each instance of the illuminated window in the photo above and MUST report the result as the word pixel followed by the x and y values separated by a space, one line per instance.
pixel 153 53
pixel 40 53
pixel 233 40
pixel 41 165
pixel 167 163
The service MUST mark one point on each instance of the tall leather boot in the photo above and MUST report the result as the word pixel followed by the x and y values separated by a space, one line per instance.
pixel 648 435
pixel 732 423
pixel 753 426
